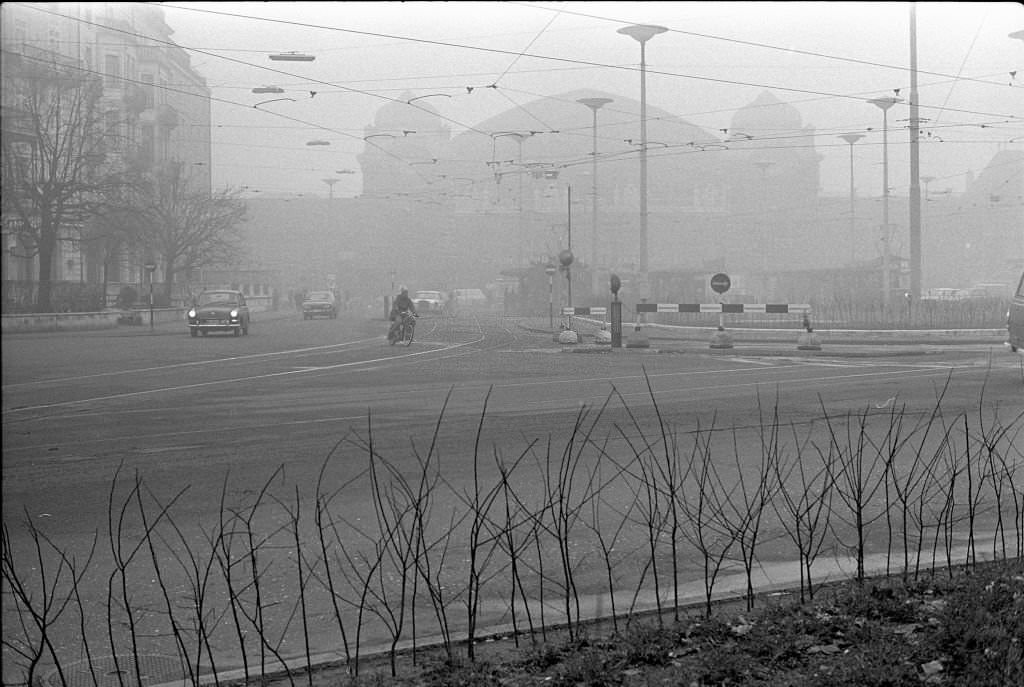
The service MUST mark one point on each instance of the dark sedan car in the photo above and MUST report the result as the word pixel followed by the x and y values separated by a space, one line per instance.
pixel 219 311
pixel 319 304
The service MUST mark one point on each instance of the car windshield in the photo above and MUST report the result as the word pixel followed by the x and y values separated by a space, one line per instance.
pixel 218 298
pixel 428 294
pixel 319 296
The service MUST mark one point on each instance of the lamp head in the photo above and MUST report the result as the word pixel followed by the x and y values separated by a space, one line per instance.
pixel 594 103
pixel 642 32
pixel 886 102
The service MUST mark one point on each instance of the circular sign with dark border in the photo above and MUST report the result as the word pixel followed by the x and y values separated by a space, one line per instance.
pixel 720 283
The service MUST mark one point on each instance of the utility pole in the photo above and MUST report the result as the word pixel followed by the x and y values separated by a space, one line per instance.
pixel 915 166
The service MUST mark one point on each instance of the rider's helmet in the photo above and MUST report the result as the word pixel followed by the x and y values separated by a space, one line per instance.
pixel 404 290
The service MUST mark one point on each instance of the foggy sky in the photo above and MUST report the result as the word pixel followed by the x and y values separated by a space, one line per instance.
pixel 826 59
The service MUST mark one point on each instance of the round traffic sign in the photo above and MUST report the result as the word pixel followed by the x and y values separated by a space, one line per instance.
pixel 720 283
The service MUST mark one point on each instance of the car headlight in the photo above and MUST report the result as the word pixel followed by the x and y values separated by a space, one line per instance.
pixel 192 313
pixel 234 314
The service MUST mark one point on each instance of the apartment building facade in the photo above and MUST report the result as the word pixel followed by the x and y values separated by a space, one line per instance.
pixel 152 97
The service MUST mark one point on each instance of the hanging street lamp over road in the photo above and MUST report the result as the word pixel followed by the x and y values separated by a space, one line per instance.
pixel 268 89
pixel 330 181
pixel 318 142
pixel 275 100
pixel 594 104
pixel 851 139
pixel 292 57
pixel 884 104
pixel 643 33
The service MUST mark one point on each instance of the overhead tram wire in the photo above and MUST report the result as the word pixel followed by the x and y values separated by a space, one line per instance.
pixel 340 87
pixel 766 46
pixel 225 101
pixel 343 133
pixel 576 61
pixel 245 105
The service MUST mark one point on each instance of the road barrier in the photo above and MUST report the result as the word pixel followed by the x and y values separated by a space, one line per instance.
pixel 725 308
pixel 807 339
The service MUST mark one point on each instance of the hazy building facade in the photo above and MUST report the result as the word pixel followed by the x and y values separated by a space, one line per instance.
pixel 508 194
pixel 153 100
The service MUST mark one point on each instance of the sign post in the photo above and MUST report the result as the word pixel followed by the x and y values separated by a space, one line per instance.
pixel 550 271
pixel 616 284
pixel 150 268
pixel 720 283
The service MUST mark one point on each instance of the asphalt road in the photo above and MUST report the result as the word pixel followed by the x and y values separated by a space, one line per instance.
pixel 214 420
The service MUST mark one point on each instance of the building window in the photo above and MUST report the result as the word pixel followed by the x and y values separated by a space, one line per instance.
pixel 147 89
pixel 112 70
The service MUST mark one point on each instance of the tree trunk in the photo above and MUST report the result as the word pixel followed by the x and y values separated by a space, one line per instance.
pixel 47 246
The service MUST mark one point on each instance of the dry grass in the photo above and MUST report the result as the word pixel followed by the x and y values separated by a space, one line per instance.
pixel 958 628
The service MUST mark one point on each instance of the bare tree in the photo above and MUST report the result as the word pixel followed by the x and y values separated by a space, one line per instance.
pixel 55 147
pixel 183 225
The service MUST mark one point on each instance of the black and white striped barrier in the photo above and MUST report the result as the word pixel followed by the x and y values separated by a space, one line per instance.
pixel 770 308
pixel 599 311
pixel 807 341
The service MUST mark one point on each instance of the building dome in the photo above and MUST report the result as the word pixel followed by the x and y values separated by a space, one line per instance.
pixel 766 116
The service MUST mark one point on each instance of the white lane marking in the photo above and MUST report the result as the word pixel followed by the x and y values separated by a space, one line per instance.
pixel 186 432
pixel 233 380
pixel 194 363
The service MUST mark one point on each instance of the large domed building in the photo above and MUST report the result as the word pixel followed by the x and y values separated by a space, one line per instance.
pixel 508 194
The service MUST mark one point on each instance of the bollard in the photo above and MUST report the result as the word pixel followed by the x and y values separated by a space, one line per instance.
pixel 721 338
pixel 568 336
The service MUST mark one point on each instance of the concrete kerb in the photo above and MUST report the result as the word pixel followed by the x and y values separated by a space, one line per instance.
pixel 769 579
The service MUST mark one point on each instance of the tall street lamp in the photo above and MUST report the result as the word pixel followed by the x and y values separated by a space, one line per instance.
pixel 643 33
pixel 884 104
pixel 594 104
pixel 330 181
pixel 851 139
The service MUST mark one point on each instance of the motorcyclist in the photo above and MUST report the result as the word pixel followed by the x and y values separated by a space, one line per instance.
pixel 402 304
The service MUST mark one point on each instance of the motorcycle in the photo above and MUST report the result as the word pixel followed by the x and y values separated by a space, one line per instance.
pixel 402 329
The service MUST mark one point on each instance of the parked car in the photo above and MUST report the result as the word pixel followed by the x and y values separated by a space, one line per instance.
pixel 426 301
pixel 319 304
pixel 1015 320
pixel 219 311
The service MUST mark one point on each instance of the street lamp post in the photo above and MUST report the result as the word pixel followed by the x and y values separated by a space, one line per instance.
pixel 884 104
pixel 851 139
pixel 520 137
pixel 594 104
pixel 643 33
